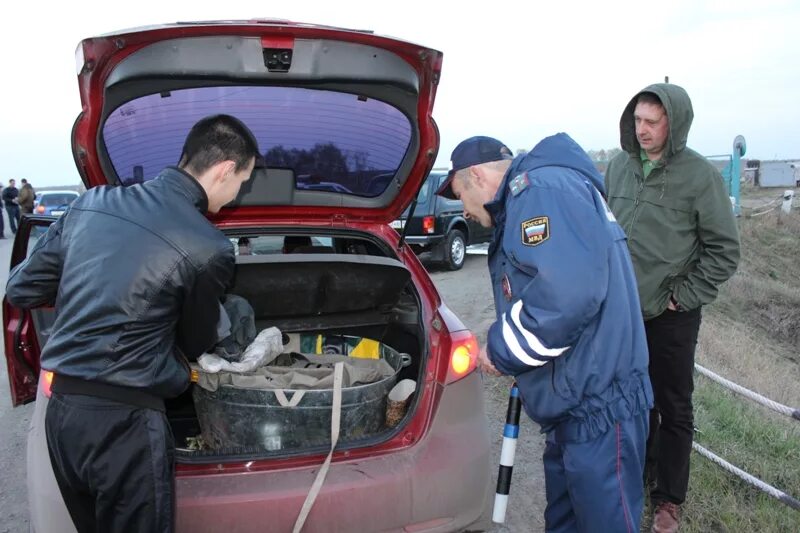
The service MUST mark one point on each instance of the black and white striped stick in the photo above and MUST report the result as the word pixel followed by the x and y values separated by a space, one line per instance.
pixel 510 434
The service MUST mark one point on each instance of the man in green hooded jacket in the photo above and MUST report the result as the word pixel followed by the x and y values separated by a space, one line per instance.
pixel 676 213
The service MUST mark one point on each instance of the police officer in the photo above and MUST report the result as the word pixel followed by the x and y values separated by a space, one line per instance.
pixel 568 326
pixel 127 322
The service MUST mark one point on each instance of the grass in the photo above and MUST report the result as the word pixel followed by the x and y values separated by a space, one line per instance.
pixel 750 437
pixel 750 335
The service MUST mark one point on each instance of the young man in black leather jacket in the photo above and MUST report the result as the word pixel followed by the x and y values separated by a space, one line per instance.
pixel 128 321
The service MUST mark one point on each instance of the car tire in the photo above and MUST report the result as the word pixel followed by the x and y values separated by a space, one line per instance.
pixel 455 249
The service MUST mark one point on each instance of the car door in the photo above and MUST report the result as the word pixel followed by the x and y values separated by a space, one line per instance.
pixel 477 233
pixel 451 209
pixel 445 209
pixel 25 332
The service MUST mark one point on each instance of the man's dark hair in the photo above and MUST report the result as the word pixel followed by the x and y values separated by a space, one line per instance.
pixel 649 98
pixel 218 138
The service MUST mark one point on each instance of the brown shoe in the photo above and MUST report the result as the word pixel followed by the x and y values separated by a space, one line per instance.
pixel 666 519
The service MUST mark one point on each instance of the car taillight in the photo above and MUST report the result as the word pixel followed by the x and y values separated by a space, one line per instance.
pixel 463 360
pixel 40 209
pixel 47 382
pixel 428 224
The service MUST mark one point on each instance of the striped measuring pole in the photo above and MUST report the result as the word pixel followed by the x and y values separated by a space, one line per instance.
pixel 510 434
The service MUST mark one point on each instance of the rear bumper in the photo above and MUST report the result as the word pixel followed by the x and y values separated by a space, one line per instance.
pixel 424 240
pixel 440 484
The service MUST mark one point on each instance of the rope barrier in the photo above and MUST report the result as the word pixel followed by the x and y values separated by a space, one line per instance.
pixel 775 406
pixel 751 214
pixel 769 489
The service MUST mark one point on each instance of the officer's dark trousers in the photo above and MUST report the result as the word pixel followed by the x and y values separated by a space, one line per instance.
pixel 113 462
pixel 597 485
pixel 671 339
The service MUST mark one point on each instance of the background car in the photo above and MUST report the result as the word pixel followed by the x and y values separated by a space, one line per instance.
pixel 53 202
pixel 438 225
pixel 350 107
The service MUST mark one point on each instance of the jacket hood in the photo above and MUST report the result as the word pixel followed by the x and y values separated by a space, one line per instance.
pixel 558 150
pixel 679 111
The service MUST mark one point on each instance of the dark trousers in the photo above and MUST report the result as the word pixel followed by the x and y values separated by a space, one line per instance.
pixel 113 462
pixel 597 485
pixel 671 339
pixel 13 217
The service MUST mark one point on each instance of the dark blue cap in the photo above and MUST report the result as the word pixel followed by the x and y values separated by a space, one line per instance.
pixel 471 152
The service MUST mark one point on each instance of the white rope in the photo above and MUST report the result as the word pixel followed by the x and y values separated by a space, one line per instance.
pixel 769 489
pixel 336 413
pixel 773 201
pixel 775 406
pixel 770 210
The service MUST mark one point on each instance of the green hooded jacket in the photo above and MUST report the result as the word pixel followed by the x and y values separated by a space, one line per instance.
pixel 680 226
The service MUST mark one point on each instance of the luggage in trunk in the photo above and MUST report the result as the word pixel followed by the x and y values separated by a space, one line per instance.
pixel 256 409
pixel 319 300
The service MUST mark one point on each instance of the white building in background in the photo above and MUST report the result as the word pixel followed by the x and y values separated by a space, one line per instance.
pixel 778 173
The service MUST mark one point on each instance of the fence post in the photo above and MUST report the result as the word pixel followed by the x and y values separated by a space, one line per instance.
pixel 788 195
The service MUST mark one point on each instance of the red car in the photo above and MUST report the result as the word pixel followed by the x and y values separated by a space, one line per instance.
pixel 348 107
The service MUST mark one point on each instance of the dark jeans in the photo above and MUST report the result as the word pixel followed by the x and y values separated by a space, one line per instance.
pixel 671 339
pixel 13 216
pixel 113 462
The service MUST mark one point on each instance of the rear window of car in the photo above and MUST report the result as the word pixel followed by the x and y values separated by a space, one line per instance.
pixel 333 141
pixel 56 199
pixel 281 244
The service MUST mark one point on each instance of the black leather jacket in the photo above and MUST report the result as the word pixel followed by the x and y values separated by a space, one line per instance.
pixel 136 275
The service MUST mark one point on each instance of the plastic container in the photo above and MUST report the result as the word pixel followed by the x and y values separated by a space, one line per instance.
pixel 232 417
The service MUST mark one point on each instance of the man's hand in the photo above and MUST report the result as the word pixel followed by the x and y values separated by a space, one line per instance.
pixel 485 364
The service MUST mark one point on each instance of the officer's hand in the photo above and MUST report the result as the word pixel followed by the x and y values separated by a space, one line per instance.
pixel 485 363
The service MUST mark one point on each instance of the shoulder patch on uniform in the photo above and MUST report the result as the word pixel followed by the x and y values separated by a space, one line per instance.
pixel 535 231
pixel 519 184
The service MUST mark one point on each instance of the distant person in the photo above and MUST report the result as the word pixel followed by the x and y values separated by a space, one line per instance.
pixel 684 244
pixel 10 195
pixel 568 327
pixel 244 246
pixel 26 197
pixel 123 332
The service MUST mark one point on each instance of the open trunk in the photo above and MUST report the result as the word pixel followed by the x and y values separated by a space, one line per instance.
pixel 330 296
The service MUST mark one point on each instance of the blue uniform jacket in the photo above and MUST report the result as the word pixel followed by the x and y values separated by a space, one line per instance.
pixel 568 322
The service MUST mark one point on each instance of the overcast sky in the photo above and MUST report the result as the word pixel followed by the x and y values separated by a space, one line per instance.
pixel 515 70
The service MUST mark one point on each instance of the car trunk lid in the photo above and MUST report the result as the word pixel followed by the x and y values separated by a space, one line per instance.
pixel 343 118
